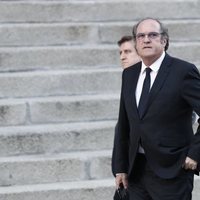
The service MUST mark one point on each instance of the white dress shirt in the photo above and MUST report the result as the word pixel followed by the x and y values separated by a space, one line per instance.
pixel 154 67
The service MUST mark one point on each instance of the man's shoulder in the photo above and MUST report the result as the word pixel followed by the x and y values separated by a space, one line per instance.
pixel 134 67
pixel 181 61
pixel 181 64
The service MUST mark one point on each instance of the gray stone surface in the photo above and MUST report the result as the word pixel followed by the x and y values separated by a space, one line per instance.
pixel 98 170
pixel 181 30
pixel 73 109
pixel 67 57
pixel 42 34
pixel 56 138
pixel 74 57
pixel 73 166
pixel 179 50
pixel 60 83
pixel 86 190
pixel 47 34
pixel 196 191
pixel 78 11
pixel 12 112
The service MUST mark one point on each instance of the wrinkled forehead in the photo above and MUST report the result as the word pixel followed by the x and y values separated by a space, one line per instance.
pixel 148 25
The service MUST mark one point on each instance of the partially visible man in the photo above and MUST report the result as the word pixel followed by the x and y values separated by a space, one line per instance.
pixel 127 51
pixel 128 57
pixel 156 151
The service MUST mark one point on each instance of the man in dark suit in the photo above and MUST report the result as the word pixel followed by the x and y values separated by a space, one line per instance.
pixel 128 57
pixel 156 152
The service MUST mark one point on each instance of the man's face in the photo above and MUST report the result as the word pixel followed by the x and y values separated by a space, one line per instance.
pixel 128 54
pixel 149 42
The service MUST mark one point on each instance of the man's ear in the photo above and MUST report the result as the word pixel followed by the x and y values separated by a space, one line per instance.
pixel 163 41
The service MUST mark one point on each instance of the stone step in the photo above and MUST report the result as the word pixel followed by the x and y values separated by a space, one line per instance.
pixel 76 57
pixel 62 11
pixel 179 30
pixel 69 57
pixel 42 34
pixel 65 137
pixel 74 108
pixel 84 190
pixel 56 138
pixel 13 112
pixel 59 109
pixel 196 191
pixel 59 83
pixel 38 169
pixel 47 110
pixel 90 190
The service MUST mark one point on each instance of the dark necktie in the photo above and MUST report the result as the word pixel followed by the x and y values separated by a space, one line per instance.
pixel 145 93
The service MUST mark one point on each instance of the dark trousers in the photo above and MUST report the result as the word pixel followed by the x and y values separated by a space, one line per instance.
pixel 144 184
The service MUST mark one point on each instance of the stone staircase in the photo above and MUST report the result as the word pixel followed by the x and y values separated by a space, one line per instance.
pixel 60 81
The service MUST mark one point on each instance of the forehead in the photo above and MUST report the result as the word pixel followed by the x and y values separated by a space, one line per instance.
pixel 127 44
pixel 148 25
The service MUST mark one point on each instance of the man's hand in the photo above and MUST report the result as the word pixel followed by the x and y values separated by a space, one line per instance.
pixel 121 179
pixel 190 164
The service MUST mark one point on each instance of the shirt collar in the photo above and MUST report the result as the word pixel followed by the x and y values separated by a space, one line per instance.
pixel 155 66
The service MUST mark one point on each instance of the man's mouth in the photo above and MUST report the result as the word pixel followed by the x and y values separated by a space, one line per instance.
pixel 147 47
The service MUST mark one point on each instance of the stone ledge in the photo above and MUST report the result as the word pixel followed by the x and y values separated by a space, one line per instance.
pixel 87 190
pixel 46 11
pixel 59 83
pixel 12 112
pixel 38 139
pixel 90 190
pixel 42 34
pixel 65 57
pixel 74 108
pixel 63 167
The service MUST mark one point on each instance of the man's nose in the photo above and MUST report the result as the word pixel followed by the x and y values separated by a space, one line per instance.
pixel 122 56
pixel 146 38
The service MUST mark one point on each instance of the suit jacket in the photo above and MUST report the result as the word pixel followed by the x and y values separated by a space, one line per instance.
pixel 165 129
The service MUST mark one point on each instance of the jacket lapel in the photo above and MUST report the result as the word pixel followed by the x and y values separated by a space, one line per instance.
pixel 132 84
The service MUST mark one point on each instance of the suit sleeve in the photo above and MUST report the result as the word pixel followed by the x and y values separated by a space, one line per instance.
pixel 191 93
pixel 114 153
pixel 121 141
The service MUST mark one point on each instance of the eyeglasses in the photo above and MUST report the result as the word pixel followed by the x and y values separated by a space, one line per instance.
pixel 151 35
